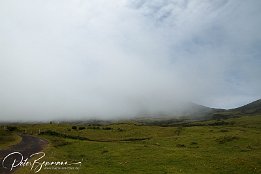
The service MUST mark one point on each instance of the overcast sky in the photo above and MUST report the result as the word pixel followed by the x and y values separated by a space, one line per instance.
pixel 104 59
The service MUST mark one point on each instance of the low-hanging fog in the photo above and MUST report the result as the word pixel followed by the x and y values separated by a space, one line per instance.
pixel 75 59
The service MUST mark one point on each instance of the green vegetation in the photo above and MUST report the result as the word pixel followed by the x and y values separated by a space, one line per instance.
pixel 8 138
pixel 216 146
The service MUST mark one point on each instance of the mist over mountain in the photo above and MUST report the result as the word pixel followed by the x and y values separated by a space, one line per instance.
pixel 196 112
pixel 99 59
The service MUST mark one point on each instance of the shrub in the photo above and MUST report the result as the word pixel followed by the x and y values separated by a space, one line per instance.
pixel 223 130
pixel 180 145
pixel 193 143
pixel 107 128
pixel 120 129
pixel 104 151
pixel 93 127
pixel 11 128
pixel 74 127
pixel 58 134
pixel 81 128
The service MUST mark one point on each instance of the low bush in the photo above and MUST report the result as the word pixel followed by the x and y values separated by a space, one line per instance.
pixel 104 151
pixel 82 128
pixel 120 129
pixel 93 127
pixel 57 134
pixel 107 128
pixel 193 143
pixel 180 145
pixel 11 128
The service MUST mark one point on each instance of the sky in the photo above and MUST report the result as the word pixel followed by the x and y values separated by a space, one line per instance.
pixel 75 59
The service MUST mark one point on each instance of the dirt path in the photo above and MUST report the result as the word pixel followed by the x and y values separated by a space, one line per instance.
pixel 29 145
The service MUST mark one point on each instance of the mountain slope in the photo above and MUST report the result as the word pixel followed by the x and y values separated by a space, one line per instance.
pixel 192 111
pixel 251 108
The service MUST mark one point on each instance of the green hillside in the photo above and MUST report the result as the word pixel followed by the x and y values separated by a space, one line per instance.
pixel 228 146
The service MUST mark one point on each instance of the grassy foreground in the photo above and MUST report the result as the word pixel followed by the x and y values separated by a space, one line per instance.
pixel 231 146
pixel 8 139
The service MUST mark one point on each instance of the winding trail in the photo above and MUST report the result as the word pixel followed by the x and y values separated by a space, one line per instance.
pixel 27 146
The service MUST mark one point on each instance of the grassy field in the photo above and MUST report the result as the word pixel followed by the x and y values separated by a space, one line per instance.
pixel 228 146
pixel 8 139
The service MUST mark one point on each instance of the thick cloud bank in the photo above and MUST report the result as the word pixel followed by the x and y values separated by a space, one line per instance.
pixel 77 59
